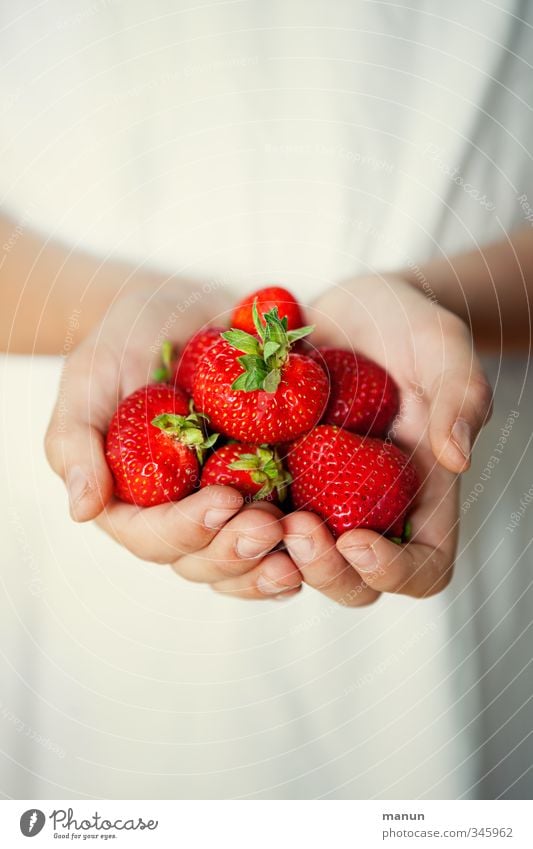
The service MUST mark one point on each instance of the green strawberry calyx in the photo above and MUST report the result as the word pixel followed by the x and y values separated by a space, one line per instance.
pixel 265 468
pixel 189 430
pixel 163 373
pixel 264 357
pixel 406 536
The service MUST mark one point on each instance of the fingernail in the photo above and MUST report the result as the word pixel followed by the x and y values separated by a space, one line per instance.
pixel 248 547
pixel 301 549
pixel 217 517
pixel 268 587
pixel 362 557
pixel 462 438
pixel 284 596
pixel 77 485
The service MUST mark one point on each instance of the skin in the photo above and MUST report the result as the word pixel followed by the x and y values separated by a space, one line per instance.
pixel 210 536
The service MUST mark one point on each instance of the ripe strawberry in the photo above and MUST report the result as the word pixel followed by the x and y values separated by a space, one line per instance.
pixel 194 351
pixel 153 446
pixel 267 298
pixel 266 393
pixel 352 481
pixel 255 470
pixel 363 396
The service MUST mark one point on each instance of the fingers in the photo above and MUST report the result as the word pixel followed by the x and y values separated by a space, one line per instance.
pixel 312 549
pixel 74 440
pixel 460 400
pixel 78 457
pixel 422 567
pixel 412 569
pixel 236 549
pixel 166 532
pixel 275 578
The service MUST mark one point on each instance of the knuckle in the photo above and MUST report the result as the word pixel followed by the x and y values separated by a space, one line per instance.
pixel 51 441
pixel 367 598
pixel 439 584
pixel 232 567
pixel 482 391
pixel 454 326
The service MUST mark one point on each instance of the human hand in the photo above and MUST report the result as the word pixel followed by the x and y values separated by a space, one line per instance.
pixel 445 400
pixel 207 537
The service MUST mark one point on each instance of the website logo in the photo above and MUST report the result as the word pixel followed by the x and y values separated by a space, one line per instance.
pixel 32 822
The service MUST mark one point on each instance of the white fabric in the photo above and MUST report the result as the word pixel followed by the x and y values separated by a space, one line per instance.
pixel 295 141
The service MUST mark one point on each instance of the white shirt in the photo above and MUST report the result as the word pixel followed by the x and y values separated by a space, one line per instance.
pixel 298 142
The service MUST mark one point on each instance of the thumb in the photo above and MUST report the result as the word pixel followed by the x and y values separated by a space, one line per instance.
pixel 460 405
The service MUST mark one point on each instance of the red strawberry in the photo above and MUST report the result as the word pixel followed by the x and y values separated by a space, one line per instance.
pixel 193 352
pixel 352 481
pixel 255 390
pixel 255 470
pixel 267 298
pixel 153 445
pixel 363 396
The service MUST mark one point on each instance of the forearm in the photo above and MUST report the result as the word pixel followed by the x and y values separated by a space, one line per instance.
pixel 491 288
pixel 51 295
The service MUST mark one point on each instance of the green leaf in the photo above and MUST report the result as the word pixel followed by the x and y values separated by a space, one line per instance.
pixel 241 382
pixel 258 476
pixel 169 421
pixel 272 381
pixel 265 490
pixel 253 457
pixel 270 348
pixel 242 341
pixel 163 373
pixel 160 375
pixel 254 380
pixel 300 332
pixel 250 362
pixel 244 465
pixel 258 324
pixel 189 430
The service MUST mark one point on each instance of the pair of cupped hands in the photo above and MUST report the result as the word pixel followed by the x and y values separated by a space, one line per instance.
pixel 254 551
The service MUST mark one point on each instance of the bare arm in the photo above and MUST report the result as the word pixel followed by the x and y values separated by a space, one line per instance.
pixel 490 288
pixel 44 284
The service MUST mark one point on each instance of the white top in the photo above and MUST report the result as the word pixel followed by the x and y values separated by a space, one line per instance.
pixel 249 141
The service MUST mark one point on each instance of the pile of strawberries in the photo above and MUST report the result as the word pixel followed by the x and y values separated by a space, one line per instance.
pixel 259 409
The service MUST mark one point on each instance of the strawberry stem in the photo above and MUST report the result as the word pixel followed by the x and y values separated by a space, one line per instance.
pixel 264 357
pixel 163 373
pixel 265 468
pixel 189 430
